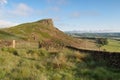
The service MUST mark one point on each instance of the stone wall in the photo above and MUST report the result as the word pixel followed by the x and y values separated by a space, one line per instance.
pixel 112 59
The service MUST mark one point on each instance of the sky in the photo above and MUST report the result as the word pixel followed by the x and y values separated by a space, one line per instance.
pixel 68 15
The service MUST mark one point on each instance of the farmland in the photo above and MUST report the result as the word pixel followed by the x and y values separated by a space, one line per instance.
pixel 113 46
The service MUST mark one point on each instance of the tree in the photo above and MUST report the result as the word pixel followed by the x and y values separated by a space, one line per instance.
pixel 101 42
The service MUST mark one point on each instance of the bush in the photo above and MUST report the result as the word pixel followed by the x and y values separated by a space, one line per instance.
pixel 102 41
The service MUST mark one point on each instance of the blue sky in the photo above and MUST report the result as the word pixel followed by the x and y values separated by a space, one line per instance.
pixel 68 15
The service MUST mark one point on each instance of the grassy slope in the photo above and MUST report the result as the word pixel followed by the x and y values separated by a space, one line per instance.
pixel 88 44
pixel 40 64
pixel 40 30
pixel 26 30
pixel 7 36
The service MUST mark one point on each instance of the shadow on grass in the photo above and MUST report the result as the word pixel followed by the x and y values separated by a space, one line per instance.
pixel 96 69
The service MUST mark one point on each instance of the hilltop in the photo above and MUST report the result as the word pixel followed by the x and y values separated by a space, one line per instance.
pixel 41 30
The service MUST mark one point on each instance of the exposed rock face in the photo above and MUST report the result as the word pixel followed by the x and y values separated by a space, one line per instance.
pixel 47 22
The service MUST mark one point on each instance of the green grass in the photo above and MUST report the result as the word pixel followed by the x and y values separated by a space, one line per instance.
pixel 27 62
pixel 26 31
pixel 36 31
pixel 113 46
pixel 41 64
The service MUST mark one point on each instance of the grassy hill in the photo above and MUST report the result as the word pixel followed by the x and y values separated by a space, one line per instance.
pixel 41 30
pixel 28 62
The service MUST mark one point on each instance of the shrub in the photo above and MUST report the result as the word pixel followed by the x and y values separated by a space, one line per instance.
pixel 102 41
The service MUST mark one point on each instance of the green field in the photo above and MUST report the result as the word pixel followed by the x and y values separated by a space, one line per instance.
pixel 113 46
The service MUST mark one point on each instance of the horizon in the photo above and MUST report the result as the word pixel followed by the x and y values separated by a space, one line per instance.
pixel 68 15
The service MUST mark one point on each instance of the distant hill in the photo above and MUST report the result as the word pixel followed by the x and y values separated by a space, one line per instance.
pixel 41 30
pixel 115 35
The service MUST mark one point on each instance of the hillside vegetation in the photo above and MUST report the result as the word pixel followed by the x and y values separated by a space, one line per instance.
pixel 42 30
pixel 62 64
pixel 41 53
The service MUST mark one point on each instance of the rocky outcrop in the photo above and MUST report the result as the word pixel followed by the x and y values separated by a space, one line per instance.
pixel 47 22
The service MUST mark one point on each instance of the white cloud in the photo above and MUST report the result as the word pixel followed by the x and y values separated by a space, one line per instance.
pixel 4 23
pixel 22 10
pixel 3 2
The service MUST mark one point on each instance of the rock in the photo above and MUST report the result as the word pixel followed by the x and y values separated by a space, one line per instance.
pixel 47 22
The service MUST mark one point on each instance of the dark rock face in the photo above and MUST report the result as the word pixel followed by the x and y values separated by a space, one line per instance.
pixel 47 22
